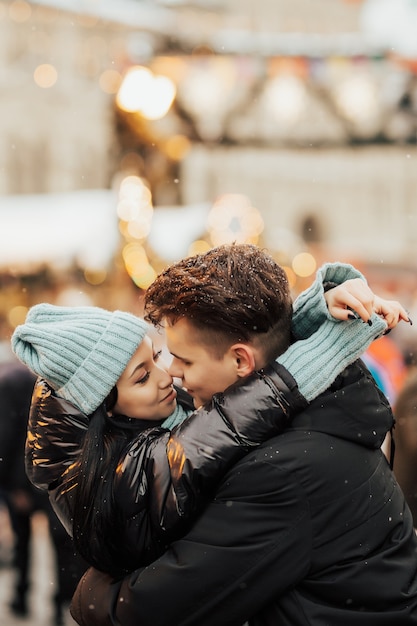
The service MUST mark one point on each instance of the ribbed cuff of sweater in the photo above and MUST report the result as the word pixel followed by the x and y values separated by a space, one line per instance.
pixel 310 308
pixel 317 361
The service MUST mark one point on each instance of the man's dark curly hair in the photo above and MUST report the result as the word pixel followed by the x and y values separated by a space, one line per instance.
pixel 231 293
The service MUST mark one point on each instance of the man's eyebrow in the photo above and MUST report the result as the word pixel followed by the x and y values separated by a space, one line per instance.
pixel 181 358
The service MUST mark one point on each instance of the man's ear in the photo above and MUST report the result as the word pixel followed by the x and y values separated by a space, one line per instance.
pixel 245 359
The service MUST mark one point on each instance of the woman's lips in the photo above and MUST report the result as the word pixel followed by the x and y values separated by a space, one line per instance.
pixel 170 397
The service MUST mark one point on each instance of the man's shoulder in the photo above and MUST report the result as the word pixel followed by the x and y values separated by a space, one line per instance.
pixel 275 460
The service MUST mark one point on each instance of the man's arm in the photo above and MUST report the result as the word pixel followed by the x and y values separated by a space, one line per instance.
pixel 250 544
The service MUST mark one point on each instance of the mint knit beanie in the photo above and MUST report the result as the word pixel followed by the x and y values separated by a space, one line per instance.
pixel 80 351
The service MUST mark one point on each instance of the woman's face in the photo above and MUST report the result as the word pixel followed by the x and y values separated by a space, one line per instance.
pixel 145 390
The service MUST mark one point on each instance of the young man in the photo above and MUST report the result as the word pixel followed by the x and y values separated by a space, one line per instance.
pixel 310 528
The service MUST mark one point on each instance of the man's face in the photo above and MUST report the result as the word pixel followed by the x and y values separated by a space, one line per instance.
pixel 202 374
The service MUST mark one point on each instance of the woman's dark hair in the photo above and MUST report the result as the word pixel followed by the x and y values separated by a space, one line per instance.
pixel 95 515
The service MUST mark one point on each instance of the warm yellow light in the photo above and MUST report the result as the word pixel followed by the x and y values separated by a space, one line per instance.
pixel 139 228
pixel 304 264
pixel 135 189
pixel 157 101
pixel 95 277
pixel 123 229
pixel 176 147
pixel 292 278
pixel 17 315
pixel 135 207
pixel 129 94
pixel 137 265
pixel 143 92
pixel 145 279
pixel 45 76
pixel 173 66
pixel 129 209
pixel 232 218
pixel 252 222
pixel 198 247
pixel 135 258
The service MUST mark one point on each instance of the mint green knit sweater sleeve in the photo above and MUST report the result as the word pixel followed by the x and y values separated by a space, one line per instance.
pixel 326 345
pixel 310 308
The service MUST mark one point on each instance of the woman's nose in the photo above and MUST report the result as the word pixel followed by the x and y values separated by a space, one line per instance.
pixel 165 379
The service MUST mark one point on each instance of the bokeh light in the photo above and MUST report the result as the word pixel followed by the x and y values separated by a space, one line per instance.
pixel 95 277
pixel 233 219
pixel 292 278
pixel 304 264
pixel 143 92
pixel 45 76
pixel 137 265
pixel 198 247
pixel 176 147
pixel 356 96
pixel 135 208
pixel 20 11
pixel 17 315
pixel 284 98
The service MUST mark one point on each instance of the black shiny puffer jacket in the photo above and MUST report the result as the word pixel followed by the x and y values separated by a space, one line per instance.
pixel 308 529
pixel 164 477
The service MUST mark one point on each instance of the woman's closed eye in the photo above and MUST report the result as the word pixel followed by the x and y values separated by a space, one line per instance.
pixel 143 379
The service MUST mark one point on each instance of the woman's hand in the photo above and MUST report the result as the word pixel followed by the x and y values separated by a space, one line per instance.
pixel 354 298
pixel 391 311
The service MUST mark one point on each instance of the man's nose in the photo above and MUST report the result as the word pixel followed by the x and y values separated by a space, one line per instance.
pixel 175 369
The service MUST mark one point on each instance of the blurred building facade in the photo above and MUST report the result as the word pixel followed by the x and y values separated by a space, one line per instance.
pixel 56 126
pixel 290 122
